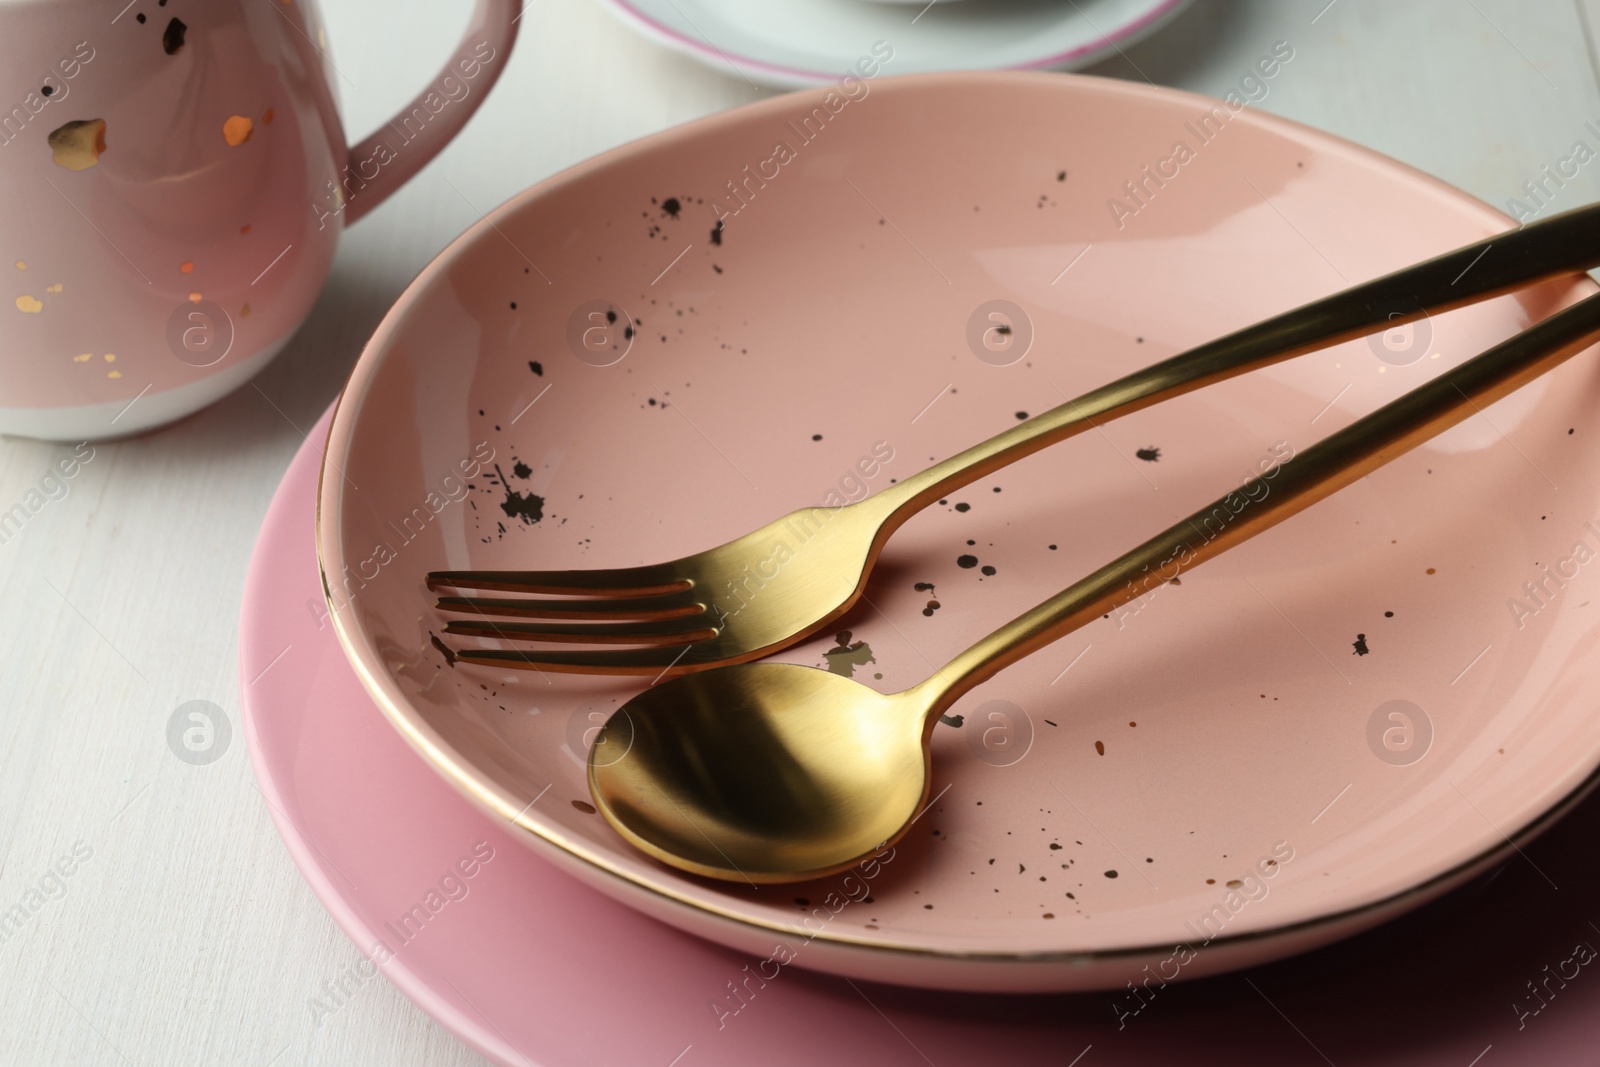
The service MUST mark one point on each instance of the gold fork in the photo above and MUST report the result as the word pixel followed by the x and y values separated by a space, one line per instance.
pixel 778 585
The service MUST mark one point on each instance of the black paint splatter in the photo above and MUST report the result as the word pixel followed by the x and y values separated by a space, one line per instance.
pixel 952 720
pixel 967 562
pixel 1360 645
pixel 172 37
pixel 671 206
pixel 529 507
pixel 537 367
pixel 988 571
pixel 521 469
pixel 846 657
pixel 963 507
pixel 716 233
pixel 586 808
pixel 1149 455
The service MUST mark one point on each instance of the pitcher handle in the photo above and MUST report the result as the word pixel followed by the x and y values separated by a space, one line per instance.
pixel 381 165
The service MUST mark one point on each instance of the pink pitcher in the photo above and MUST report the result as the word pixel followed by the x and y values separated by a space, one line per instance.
pixel 174 177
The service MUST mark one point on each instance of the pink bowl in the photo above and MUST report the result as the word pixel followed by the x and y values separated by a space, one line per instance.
pixel 1221 769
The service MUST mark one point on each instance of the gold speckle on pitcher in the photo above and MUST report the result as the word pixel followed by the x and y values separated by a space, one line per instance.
pixel 56 288
pixel 113 374
pixel 195 298
pixel 21 265
pixel 244 312
pixel 28 305
pixel 77 145
pixel 186 267
pixel 110 357
pixel 237 130
pixel 83 357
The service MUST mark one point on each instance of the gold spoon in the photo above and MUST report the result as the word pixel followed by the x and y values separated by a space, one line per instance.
pixel 774 772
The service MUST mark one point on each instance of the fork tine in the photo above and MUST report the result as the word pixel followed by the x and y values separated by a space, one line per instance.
pixel 616 581
pixel 616 661
pixel 682 631
pixel 651 607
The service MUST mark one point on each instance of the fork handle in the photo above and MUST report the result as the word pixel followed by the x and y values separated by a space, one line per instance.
pixel 1273 496
pixel 1563 244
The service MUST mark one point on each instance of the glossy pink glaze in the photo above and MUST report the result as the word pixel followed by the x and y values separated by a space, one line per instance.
pixel 813 317
pixel 172 211
pixel 533 967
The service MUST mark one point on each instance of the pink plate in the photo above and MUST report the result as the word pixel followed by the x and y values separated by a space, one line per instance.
pixel 1334 723
pixel 529 966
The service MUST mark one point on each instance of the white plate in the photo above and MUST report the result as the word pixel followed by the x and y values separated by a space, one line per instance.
pixel 797 43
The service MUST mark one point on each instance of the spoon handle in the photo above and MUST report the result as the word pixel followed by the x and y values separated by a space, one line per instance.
pixel 1563 244
pixel 1278 493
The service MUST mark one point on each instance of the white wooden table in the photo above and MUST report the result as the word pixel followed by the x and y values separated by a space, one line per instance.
pixel 189 937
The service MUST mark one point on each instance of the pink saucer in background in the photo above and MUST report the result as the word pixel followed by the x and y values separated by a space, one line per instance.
pixel 801 43
pixel 529 966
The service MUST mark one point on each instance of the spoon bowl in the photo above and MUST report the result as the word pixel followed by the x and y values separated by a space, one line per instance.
pixel 762 772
